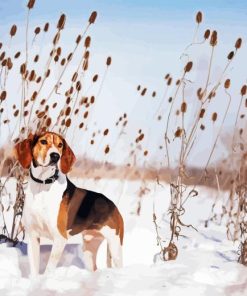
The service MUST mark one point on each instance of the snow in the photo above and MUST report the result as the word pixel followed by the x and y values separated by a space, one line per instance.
pixel 206 263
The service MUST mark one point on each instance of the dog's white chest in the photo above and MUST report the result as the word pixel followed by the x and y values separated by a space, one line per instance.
pixel 41 207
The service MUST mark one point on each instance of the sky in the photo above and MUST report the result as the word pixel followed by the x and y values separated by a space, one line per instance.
pixel 145 40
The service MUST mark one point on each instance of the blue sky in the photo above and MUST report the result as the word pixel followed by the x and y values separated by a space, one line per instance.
pixel 145 40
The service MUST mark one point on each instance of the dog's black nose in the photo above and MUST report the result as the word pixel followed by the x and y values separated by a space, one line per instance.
pixel 54 157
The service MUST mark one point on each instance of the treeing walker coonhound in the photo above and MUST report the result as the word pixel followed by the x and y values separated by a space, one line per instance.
pixel 56 209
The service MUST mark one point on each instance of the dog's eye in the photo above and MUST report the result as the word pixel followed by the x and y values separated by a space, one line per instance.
pixel 60 145
pixel 43 142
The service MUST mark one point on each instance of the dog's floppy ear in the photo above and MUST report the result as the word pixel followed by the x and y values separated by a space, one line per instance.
pixel 23 151
pixel 67 159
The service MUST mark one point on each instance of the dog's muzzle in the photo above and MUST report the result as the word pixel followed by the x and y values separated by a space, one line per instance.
pixel 54 157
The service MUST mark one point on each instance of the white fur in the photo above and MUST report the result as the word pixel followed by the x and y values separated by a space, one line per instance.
pixel 40 213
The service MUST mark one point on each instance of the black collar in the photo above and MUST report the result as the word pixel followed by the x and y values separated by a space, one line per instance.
pixel 50 180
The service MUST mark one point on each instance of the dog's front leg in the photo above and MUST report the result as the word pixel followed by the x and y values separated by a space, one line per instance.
pixel 33 250
pixel 56 253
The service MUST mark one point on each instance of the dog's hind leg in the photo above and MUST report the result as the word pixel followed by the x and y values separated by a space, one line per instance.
pixel 91 242
pixel 114 247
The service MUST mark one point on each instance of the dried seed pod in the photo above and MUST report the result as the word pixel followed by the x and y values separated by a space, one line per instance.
pixel 141 137
pixel 170 100
pixel 169 81
pixel 145 153
pixel 246 103
pixel 167 76
pixel 202 127
pixel 59 51
pixel 63 62
pixel 92 142
pixel 76 111
pixel 67 111
pixel 92 99
pixel 238 43
pixel 46 27
pixel 87 41
pixel 154 94
pixel 86 54
pixel 32 75
pixel 95 77
pixel 61 22
pixel 56 38
pixel 48 73
pixel 78 39
pixel 213 39
pixel 30 4
pixel 37 30
pixel 25 114
pixel 227 83
pixel 85 115
pixel 81 125
pixel 26 103
pixel 143 92
pixel 68 122
pixel 48 121
pixel 74 77
pixel 230 55
pixel 85 65
pixel 78 85
pixel 108 61
pixel 188 67
pixel 107 149
pixel 2 56
pixel 43 102
pixel 9 64
pixel 13 31
pixel 138 87
pixel 199 93
pixel 202 112
pixel 16 113
pixel 3 95
pixel 36 58
pixel 183 107
pixel 199 17
pixel 68 100
pixel 206 34
pixel 54 105
pixel 92 17
pixel 178 132
pixel 38 79
pixel 214 116
pixel 106 131
pixel 56 58
pixel 17 55
pixel 244 90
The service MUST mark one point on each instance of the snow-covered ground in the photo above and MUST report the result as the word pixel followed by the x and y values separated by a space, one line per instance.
pixel 206 263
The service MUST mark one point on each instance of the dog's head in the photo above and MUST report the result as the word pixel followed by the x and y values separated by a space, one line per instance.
pixel 48 149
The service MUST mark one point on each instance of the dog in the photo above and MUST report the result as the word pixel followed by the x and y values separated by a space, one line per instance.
pixel 56 209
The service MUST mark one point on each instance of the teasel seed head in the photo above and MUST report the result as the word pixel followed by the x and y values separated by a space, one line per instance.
pixel 227 83
pixel 238 43
pixel 213 39
pixel 199 17
pixel 206 34
pixel 13 31
pixel 188 67
pixel 92 17
pixel 214 116
pixel 61 22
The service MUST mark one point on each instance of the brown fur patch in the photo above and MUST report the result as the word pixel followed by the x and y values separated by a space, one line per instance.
pixel 62 219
